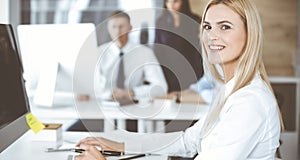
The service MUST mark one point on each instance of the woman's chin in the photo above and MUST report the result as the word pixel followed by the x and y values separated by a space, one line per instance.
pixel 214 61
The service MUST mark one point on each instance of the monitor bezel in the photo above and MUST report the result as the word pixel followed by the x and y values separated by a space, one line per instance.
pixel 15 129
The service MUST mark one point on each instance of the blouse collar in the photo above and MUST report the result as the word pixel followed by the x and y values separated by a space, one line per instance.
pixel 230 84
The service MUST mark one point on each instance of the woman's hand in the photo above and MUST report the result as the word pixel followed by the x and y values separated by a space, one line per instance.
pixel 105 144
pixel 90 153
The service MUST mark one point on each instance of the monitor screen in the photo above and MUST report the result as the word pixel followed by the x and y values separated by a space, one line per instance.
pixel 50 54
pixel 13 98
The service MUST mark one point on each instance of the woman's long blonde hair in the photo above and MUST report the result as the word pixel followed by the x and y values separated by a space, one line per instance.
pixel 250 61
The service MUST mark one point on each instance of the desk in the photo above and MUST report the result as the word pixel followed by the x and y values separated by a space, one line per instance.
pixel 26 149
pixel 158 110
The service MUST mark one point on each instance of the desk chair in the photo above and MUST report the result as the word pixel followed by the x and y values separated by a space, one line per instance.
pixel 278 154
pixel 280 101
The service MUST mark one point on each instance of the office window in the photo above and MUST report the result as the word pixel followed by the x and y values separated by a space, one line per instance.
pixel 62 11
pixel 77 11
pixel 87 11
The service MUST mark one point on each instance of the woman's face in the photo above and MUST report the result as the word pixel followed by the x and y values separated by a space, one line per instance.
pixel 224 35
pixel 174 5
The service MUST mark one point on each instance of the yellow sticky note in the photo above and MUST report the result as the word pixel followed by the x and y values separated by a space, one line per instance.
pixel 34 123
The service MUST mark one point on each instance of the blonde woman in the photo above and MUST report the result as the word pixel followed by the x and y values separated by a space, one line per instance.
pixel 244 121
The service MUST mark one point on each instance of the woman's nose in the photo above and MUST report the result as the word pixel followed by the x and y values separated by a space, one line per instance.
pixel 213 35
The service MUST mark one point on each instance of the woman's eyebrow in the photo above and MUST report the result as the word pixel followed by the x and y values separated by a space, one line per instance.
pixel 225 21
pixel 219 22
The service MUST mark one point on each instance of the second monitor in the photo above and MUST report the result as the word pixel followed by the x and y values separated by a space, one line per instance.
pixel 59 61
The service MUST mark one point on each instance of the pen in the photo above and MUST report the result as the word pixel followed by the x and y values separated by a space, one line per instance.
pixel 105 153
pixel 79 150
pixel 133 157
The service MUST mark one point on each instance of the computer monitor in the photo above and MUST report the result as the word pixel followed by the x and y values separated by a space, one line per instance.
pixel 13 97
pixel 59 60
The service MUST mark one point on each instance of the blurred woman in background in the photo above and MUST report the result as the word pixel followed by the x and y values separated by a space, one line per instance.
pixel 176 42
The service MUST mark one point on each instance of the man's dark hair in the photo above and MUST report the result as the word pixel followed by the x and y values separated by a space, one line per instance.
pixel 119 14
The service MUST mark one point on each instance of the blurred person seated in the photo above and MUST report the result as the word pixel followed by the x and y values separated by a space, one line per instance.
pixel 176 44
pixel 127 71
pixel 200 92
pixel 140 74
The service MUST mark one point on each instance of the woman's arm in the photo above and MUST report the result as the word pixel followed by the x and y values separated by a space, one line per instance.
pixel 174 143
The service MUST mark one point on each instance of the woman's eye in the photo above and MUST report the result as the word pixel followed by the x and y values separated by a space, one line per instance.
pixel 206 27
pixel 225 27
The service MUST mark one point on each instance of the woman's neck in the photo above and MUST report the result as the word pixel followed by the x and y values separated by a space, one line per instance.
pixel 228 70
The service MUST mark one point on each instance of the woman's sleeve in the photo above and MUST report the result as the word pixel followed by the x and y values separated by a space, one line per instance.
pixel 173 144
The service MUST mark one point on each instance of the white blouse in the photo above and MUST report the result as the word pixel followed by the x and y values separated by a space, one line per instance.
pixel 248 128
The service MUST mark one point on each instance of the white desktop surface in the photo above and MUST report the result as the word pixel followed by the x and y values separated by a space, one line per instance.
pixel 159 110
pixel 27 149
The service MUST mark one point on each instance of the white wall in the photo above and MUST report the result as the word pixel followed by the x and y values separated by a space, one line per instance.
pixel 10 12
pixel 4 11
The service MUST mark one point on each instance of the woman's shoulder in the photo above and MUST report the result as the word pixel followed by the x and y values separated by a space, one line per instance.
pixel 255 95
